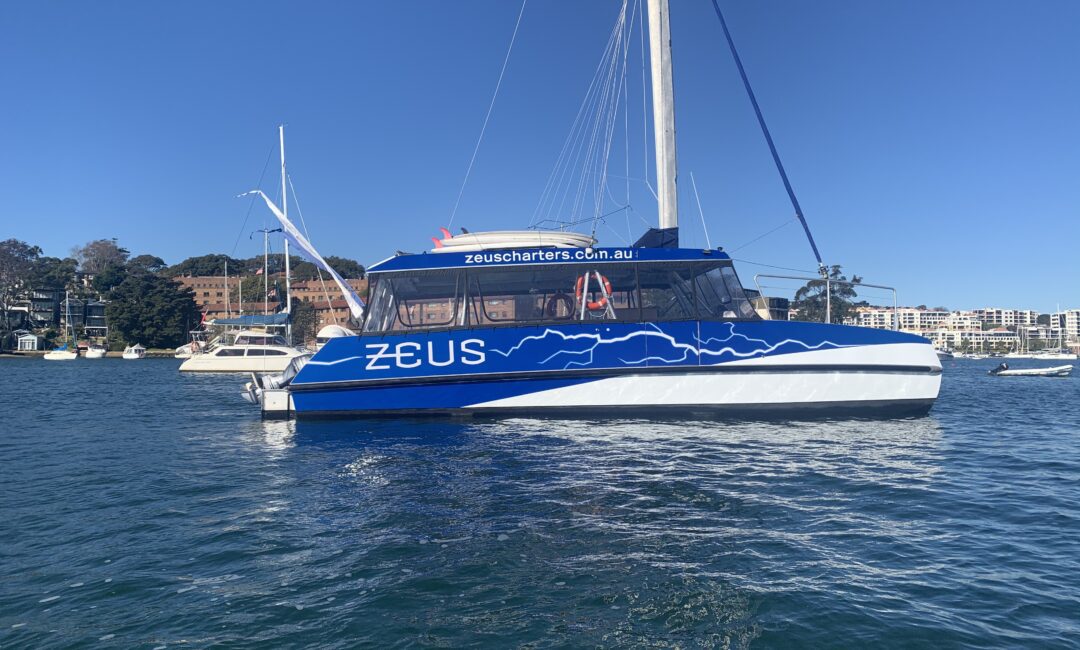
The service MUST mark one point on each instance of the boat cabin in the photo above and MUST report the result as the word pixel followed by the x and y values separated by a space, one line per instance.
pixel 544 286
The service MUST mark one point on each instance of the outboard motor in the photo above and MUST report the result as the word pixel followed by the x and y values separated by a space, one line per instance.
pixel 285 377
pixel 1003 366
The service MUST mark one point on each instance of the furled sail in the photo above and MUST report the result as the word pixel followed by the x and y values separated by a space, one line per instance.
pixel 297 239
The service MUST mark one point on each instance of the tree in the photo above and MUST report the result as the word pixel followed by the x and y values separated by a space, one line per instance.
pixel 1043 319
pixel 303 321
pixel 152 310
pixel 204 265
pixel 347 268
pixel 109 277
pixel 810 300
pixel 146 264
pixel 95 256
pixel 17 260
pixel 53 273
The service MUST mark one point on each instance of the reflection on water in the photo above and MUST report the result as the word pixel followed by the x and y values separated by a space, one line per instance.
pixel 209 526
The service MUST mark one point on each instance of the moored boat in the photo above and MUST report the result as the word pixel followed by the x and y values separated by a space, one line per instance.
pixel 134 352
pixel 528 323
pixel 1005 371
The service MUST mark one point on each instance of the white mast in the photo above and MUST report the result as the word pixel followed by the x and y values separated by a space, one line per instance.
pixel 663 112
pixel 227 297
pixel 285 211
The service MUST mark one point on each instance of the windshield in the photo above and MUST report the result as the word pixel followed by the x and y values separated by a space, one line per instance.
pixel 633 292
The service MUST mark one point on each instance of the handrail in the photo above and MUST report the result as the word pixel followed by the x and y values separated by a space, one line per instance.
pixel 828 292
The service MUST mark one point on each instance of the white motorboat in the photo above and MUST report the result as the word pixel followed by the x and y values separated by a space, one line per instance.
pixel 133 352
pixel 1057 371
pixel 96 352
pixel 247 351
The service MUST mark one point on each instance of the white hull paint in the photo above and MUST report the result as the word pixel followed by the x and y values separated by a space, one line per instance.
pixel 732 389
pixel 211 363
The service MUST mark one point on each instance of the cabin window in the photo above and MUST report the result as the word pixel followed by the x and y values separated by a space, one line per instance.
pixel 230 352
pixel 667 291
pixel 414 301
pixel 631 292
pixel 549 294
pixel 719 294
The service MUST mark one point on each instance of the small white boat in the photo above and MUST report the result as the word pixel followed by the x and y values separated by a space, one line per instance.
pixel 247 351
pixel 1057 371
pixel 136 351
pixel 96 352
pixel 61 354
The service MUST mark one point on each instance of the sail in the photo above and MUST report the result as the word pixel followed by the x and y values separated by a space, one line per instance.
pixel 297 239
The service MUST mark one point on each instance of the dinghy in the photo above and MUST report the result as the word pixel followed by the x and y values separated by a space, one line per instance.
pixel 1057 371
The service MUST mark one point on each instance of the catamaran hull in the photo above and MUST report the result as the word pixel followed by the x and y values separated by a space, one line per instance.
pixel 617 369
pixel 776 392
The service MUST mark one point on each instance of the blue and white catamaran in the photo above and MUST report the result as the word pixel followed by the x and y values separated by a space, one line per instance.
pixel 548 323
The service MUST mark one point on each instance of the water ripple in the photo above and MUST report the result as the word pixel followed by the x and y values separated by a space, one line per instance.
pixel 146 508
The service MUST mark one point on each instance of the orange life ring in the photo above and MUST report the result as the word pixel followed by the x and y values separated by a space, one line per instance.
pixel 593 305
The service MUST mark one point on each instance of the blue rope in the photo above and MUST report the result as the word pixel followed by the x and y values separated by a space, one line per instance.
pixel 768 137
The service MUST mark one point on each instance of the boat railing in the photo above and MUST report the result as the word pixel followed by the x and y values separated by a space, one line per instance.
pixel 828 291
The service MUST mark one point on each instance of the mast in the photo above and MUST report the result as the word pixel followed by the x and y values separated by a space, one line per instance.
pixel 285 211
pixel 663 112
pixel 266 271
pixel 227 297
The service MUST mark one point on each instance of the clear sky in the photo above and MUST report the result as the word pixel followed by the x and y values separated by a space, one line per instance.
pixel 934 146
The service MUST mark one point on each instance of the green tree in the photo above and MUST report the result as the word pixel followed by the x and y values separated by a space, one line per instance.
pixel 95 256
pixel 212 265
pixel 303 321
pixel 109 277
pixel 150 309
pixel 17 260
pixel 146 263
pixel 53 273
pixel 811 300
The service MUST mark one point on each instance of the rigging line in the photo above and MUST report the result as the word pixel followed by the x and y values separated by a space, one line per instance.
pixel 626 114
pixel 322 282
pixel 786 223
pixel 700 211
pixel 644 103
pixel 771 266
pixel 487 117
pixel 602 117
pixel 768 137
pixel 594 133
pixel 251 204
pixel 563 161
pixel 620 88
pixel 580 134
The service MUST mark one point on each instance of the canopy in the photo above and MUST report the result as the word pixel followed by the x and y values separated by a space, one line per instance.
pixel 255 320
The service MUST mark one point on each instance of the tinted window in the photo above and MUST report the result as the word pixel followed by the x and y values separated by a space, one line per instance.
pixel 551 293
pixel 719 294
pixel 666 291
pixel 414 301
pixel 229 352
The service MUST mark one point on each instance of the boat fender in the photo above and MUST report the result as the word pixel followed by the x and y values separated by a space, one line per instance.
pixel 593 305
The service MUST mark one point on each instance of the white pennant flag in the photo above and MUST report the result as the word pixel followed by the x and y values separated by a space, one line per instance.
pixel 356 305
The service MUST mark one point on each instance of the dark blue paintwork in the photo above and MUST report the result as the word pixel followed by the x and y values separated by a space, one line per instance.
pixel 530 256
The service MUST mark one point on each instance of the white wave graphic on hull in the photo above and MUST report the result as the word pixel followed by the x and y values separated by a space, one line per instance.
pixel 655 332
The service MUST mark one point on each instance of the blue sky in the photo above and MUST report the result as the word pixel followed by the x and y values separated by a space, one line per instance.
pixel 934 146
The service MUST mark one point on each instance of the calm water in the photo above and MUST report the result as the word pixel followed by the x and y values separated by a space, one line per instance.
pixel 141 508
